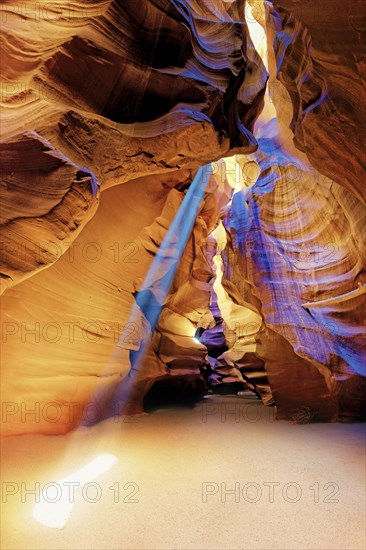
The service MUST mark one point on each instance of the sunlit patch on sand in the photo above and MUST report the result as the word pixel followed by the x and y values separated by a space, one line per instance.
pixel 54 509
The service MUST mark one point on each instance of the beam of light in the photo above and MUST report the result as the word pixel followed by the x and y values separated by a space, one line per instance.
pixel 152 295
pixel 154 289
pixel 159 278
pixel 55 512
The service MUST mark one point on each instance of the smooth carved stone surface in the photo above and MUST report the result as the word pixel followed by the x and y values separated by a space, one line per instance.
pixel 150 67
pixel 46 201
pixel 62 327
pixel 124 89
pixel 320 57
pixel 231 343
pixel 141 94
pixel 172 351
pixel 300 252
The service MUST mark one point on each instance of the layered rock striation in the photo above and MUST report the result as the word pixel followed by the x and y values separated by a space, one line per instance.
pixel 108 109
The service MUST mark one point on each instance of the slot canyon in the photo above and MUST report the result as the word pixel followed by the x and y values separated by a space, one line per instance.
pixel 183 284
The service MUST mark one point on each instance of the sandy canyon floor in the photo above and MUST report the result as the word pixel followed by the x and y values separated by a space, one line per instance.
pixel 221 475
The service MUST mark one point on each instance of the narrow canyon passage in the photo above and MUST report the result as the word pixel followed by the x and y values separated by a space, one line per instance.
pixel 183 275
pixel 186 478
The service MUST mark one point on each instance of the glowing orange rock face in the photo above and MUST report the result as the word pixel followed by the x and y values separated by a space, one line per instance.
pixel 127 93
